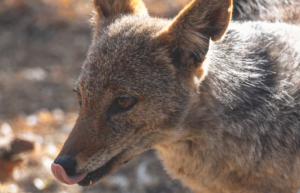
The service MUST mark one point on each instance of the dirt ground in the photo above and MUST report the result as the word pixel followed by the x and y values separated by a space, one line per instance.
pixel 43 44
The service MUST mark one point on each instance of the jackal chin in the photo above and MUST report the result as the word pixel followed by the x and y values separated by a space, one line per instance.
pixel 100 173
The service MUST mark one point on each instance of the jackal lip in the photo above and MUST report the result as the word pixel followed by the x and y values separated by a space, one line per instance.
pixel 103 171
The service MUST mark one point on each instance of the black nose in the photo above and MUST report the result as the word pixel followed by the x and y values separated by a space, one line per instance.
pixel 68 163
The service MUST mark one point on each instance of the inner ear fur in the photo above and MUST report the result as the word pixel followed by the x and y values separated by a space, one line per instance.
pixel 110 8
pixel 189 34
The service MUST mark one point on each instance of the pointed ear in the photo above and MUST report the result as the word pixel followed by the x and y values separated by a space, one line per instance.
pixel 189 34
pixel 109 8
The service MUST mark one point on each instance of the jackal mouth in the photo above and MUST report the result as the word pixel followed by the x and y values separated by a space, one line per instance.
pixel 103 171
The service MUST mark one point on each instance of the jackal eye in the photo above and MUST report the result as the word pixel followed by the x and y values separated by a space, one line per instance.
pixel 125 103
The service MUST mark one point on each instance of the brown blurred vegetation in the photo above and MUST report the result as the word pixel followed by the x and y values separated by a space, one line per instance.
pixel 42 46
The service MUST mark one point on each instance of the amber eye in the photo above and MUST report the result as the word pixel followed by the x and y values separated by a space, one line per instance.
pixel 125 103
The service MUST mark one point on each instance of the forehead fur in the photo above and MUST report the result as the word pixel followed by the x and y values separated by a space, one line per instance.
pixel 125 52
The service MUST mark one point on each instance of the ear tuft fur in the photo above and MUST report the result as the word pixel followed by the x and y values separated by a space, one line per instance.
pixel 195 25
pixel 110 8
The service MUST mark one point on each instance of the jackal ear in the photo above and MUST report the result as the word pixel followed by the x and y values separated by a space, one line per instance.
pixel 189 34
pixel 109 8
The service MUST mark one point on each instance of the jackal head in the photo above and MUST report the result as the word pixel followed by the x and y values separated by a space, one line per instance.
pixel 137 84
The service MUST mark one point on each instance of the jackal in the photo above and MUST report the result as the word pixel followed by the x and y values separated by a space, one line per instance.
pixel 222 109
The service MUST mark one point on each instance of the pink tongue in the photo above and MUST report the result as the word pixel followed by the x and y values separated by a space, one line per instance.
pixel 60 174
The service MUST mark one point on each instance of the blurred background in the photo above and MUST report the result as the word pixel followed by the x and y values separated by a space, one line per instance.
pixel 43 44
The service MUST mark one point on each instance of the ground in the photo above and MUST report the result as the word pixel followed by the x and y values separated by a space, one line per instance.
pixel 43 44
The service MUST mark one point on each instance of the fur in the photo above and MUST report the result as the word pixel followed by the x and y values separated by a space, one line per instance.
pixel 287 11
